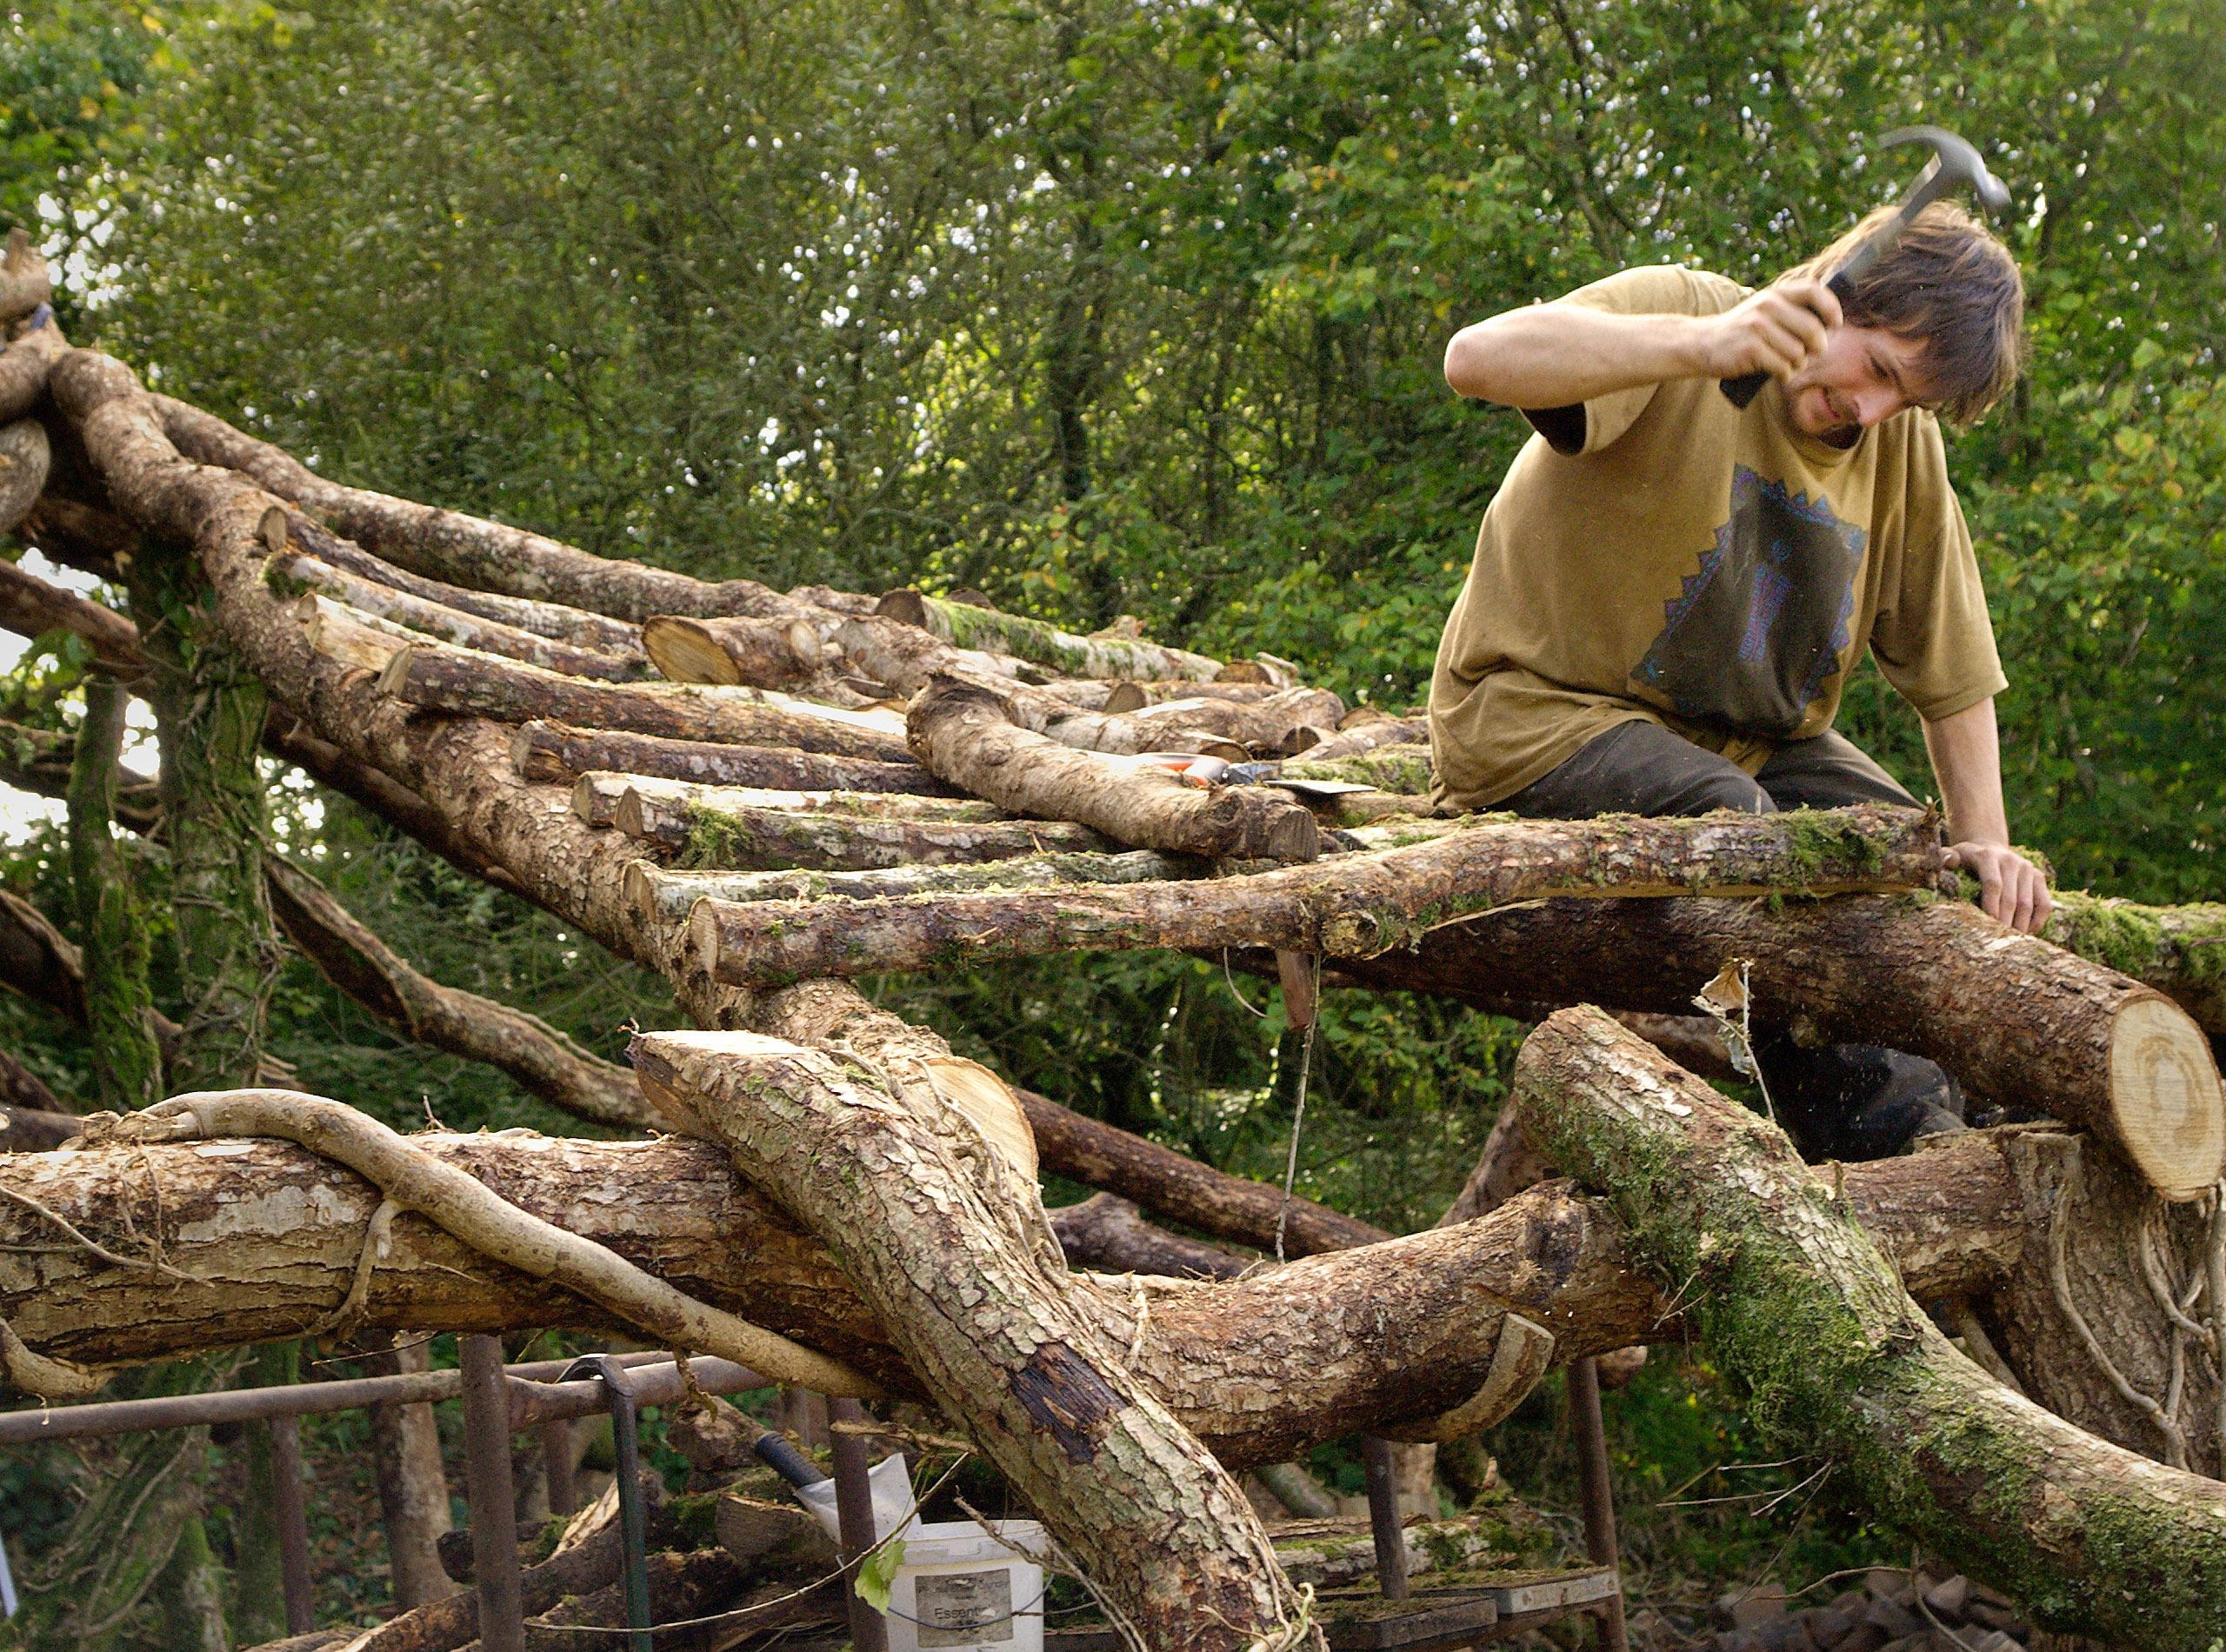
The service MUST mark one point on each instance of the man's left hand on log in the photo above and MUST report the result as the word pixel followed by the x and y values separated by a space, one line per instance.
pixel 2012 890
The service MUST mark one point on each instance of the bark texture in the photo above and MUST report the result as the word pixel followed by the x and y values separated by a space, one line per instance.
pixel 1799 1306
pixel 552 752
pixel 2180 951
pixel 761 653
pixel 996 1335
pixel 966 734
pixel 413 1487
pixel 24 365
pixel 24 459
pixel 31 606
pixel 1101 656
pixel 119 1004
pixel 670 896
pixel 1352 906
pixel 2018 1020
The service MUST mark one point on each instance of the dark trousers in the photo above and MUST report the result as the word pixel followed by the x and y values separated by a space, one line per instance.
pixel 1846 1101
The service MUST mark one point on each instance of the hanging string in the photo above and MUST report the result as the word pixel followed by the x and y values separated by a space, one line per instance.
pixel 1298 1113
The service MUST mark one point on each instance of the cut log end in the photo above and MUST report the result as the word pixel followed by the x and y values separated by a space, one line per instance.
pixel 2165 1094
pixel 906 604
pixel 684 650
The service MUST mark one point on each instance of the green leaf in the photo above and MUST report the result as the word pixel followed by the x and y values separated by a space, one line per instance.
pixel 878 1576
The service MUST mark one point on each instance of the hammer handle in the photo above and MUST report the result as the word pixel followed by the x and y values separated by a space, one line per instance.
pixel 1745 388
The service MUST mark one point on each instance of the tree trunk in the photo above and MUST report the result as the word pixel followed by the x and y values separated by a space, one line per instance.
pixel 413 1486
pixel 24 365
pixel 259 1578
pixel 119 1005
pixel 25 282
pixel 965 626
pixel 1268 727
pixel 31 606
pixel 551 752
pixel 23 462
pixel 2016 1020
pixel 999 1340
pixel 904 657
pixel 1796 1303
pixel 33 1129
pixel 441 679
pixel 670 896
pixel 966 734
pixel 38 760
pixel 757 653
pixel 541 1059
pixel 1376 737
pixel 1105 1234
pixel 1352 906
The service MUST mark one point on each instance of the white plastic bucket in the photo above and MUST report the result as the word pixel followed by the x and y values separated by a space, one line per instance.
pixel 964 1589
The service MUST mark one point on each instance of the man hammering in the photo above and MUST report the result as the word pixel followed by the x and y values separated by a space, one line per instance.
pixel 1730 496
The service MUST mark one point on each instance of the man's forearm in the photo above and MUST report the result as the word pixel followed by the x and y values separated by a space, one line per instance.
pixel 1966 754
pixel 1558 355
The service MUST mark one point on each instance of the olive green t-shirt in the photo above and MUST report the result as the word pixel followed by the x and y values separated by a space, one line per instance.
pixel 1670 558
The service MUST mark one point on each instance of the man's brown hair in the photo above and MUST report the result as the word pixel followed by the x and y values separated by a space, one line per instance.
pixel 1949 283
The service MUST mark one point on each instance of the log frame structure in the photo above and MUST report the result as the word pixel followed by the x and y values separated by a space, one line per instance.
pixel 870 1196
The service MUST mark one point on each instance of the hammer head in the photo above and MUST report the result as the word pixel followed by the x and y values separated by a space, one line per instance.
pixel 1954 162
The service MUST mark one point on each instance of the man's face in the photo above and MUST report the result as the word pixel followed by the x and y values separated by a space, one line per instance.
pixel 1864 375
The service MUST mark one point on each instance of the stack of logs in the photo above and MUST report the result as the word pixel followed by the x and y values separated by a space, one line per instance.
pixel 762 794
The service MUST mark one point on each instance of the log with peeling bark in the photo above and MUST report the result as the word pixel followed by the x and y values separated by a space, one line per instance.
pixel 270 1238
pixel 1103 656
pixel 670 896
pixel 2016 1020
pixel 30 607
pixel 541 1059
pixel 442 679
pixel 1352 906
pixel 296 571
pixel 1797 1304
pixel 547 752
pixel 903 656
pixel 966 733
pixel 2180 951
pixel 555 621
pixel 457 549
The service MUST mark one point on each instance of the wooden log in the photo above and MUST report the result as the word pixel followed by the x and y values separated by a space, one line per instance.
pixel 23 462
pixel 544 752
pixel 1402 769
pixel 729 827
pixel 269 1237
pixel 556 621
pixel 1270 726
pixel 457 549
pixel 2180 951
pixel 668 896
pixel 445 679
pixel 1101 656
pixel 1047 1395
pixel 2018 1020
pixel 38 761
pixel 967 734
pixel 24 365
pixel 32 1129
pixel 299 572
pixel 1107 1233
pixel 1352 906
pixel 25 282
pixel 1363 738
pixel 1100 1156
pixel 904 657
pixel 760 653
pixel 541 1059
pixel 2093 1539
pixel 31 606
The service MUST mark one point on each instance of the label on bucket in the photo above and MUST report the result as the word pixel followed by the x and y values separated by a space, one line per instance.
pixel 965 1608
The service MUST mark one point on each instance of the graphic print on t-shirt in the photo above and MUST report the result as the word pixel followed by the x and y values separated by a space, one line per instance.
pixel 1757 631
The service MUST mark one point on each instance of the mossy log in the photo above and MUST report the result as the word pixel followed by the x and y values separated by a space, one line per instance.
pixel 670 896
pixel 1101 656
pixel 541 1059
pixel 2018 1020
pixel 2180 951
pixel 294 572
pixel 556 621
pixel 1352 906
pixel 1797 1304
pixel 545 752
pixel 446 679
pixel 903 656
pixel 967 734
pixel 38 760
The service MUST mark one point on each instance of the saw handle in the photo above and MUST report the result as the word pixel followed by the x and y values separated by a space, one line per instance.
pixel 1745 388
